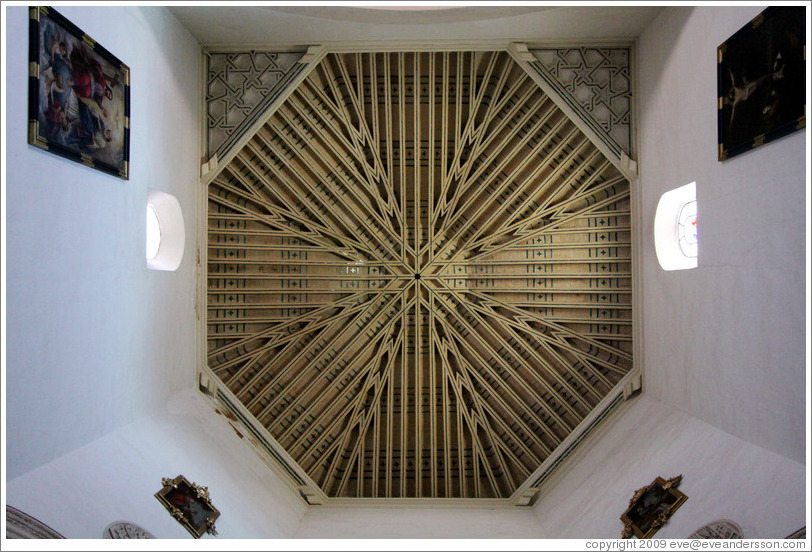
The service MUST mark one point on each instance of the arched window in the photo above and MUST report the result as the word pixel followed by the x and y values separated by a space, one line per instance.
pixel 153 232
pixel 686 230
pixel 676 236
pixel 165 231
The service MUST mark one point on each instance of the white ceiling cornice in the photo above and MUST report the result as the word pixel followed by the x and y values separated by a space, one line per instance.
pixel 219 26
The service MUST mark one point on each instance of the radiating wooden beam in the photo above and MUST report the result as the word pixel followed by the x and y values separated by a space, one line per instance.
pixel 419 275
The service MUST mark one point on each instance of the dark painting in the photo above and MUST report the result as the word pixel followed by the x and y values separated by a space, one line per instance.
pixel 190 504
pixel 79 95
pixel 651 507
pixel 761 81
pixel 654 502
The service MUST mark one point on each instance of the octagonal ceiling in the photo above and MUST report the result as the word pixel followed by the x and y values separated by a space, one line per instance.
pixel 419 275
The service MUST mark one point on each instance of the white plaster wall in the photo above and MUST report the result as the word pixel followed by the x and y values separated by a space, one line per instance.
pixel 306 25
pixel 407 523
pixel 115 477
pixel 94 339
pixel 723 477
pixel 726 341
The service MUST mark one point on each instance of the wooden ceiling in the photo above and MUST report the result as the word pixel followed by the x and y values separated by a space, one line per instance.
pixel 419 275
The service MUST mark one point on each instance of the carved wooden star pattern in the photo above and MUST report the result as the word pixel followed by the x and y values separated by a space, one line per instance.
pixel 599 81
pixel 419 275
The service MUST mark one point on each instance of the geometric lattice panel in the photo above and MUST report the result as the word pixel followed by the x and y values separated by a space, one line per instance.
pixel 419 275
pixel 238 85
pixel 599 82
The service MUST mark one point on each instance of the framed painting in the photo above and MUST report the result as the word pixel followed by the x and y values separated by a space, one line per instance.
pixel 651 507
pixel 761 81
pixel 78 95
pixel 190 504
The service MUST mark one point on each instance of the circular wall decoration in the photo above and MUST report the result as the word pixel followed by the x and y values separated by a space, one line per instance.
pixel 719 529
pixel 126 530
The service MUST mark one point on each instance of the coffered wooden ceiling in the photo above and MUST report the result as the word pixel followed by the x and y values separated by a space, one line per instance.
pixel 419 275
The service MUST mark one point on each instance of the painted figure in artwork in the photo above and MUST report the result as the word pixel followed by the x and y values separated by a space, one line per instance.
pixel 89 80
pixel 194 510
pixel 78 95
pixel 90 133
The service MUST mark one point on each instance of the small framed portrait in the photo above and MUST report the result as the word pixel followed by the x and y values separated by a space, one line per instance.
pixel 761 75
pixel 190 504
pixel 651 507
pixel 78 95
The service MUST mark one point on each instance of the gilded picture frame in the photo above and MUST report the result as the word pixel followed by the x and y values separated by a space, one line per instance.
pixel 651 507
pixel 78 95
pixel 761 81
pixel 190 504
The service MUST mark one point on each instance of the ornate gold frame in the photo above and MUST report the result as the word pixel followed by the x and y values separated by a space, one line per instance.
pixel 651 507
pixel 46 25
pixel 196 495
pixel 760 81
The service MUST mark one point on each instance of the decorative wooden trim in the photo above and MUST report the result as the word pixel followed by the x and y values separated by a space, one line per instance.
pixel 425 502
pixel 223 400
pixel 465 234
pixel 239 86
pixel 435 45
pixel 588 427
pixel 586 124
pixel 267 108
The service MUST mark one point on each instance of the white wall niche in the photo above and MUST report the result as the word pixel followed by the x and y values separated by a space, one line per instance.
pixel 165 235
pixel 676 248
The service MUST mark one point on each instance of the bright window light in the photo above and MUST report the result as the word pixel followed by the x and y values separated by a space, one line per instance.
pixel 153 232
pixel 676 235
pixel 687 234
pixel 166 235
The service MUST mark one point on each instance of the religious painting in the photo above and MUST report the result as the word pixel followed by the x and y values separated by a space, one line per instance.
pixel 761 76
pixel 651 507
pixel 190 504
pixel 78 95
